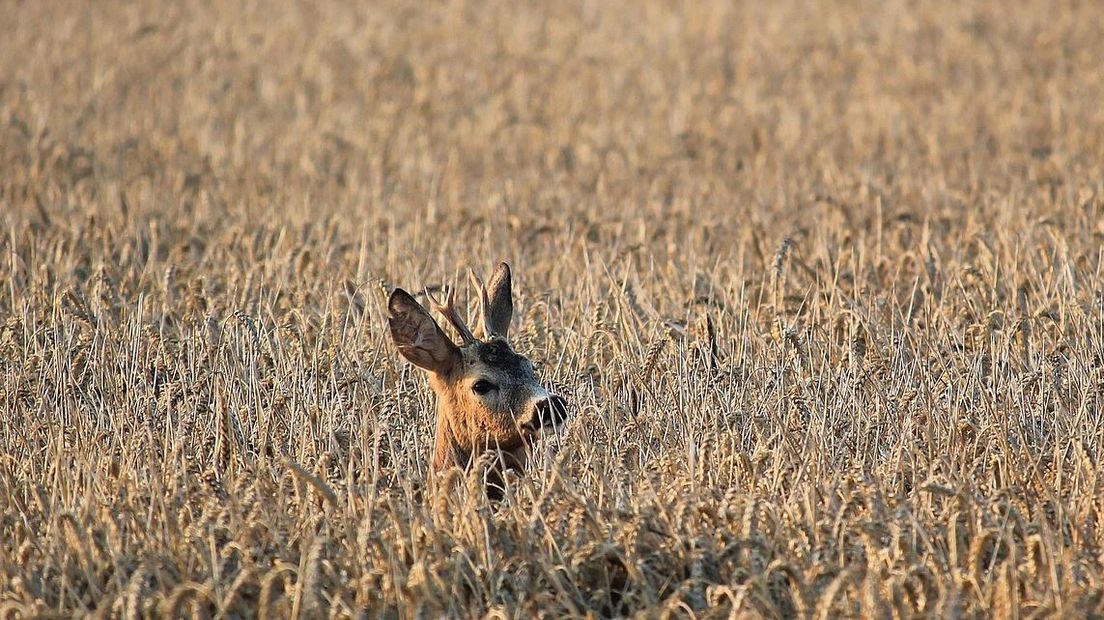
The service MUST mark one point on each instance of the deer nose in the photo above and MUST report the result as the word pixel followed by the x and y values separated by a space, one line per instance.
pixel 551 411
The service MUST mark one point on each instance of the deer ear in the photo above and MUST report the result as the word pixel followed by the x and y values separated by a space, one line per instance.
pixel 417 335
pixel 500 302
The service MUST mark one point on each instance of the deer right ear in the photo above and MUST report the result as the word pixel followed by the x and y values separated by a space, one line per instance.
pixel 417 335
pixel 500 301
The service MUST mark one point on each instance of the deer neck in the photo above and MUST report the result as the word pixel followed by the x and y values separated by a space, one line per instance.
pixel 447 449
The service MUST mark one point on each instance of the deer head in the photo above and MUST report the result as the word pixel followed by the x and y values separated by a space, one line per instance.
pixel 489 398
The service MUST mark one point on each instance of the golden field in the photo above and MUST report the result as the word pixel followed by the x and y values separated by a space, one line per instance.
pixel 822 282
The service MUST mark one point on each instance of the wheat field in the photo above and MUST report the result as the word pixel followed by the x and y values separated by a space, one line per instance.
pixel 822 282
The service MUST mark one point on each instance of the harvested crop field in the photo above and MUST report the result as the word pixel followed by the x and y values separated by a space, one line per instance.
pixel 822 282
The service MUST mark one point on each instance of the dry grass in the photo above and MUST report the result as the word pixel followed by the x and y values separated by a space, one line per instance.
pixel 823 282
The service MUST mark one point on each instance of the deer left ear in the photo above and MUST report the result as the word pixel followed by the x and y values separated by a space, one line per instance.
pixel 417 335
pixel 498 302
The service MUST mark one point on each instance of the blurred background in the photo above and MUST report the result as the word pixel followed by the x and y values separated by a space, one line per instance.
pixel 561 114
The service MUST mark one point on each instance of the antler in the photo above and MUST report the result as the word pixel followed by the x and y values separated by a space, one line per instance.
pixel 484 305
pixel 448 310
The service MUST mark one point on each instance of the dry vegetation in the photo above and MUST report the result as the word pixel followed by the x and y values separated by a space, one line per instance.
pixel 822 281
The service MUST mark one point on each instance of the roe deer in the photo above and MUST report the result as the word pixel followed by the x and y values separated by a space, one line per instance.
pixel 488 396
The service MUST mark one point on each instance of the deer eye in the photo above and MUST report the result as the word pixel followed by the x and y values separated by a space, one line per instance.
pixel 481 387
